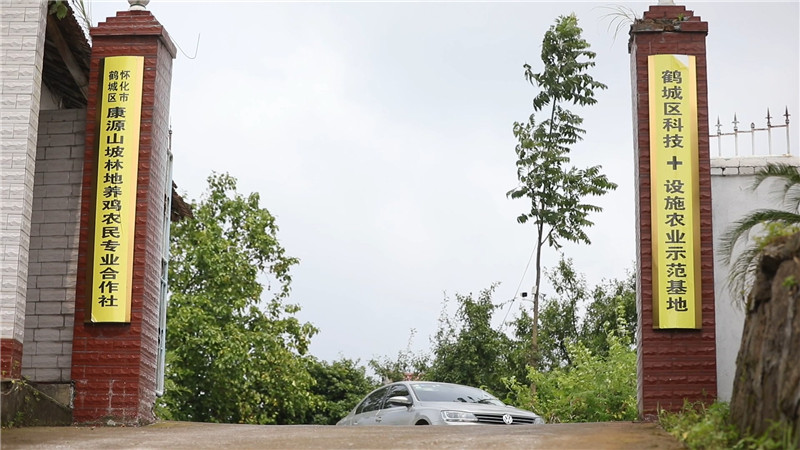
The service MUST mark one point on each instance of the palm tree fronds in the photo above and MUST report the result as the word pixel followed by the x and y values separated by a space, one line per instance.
pixel 744 226
pixel 785 177
pixel 742 274
pixel 82 13
pixel 785 180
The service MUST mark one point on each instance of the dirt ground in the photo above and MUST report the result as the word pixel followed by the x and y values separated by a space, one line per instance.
pixel 188 435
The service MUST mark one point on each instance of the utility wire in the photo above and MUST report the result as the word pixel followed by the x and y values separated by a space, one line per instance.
pixel 196 47
pixel 530 258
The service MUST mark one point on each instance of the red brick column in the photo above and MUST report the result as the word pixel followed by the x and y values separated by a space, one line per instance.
pixel 114 365
pixel 10 359
pixel 673 365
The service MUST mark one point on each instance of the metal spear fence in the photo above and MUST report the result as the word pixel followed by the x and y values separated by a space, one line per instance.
pixel 756 140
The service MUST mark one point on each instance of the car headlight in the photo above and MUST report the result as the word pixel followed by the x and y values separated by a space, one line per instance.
pixel 538 421
pixel 458 416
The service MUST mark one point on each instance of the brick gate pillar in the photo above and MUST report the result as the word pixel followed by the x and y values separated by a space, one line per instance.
pixel 114 364
pixel 674 363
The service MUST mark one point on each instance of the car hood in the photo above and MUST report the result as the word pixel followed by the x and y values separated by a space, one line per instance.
pixel 476 408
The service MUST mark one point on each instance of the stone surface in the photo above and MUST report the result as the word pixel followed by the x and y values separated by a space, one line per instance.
pixel 767 384
pixel 170 435
pixel 21 404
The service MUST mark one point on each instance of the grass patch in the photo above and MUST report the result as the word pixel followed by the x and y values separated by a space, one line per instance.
pixel 702 427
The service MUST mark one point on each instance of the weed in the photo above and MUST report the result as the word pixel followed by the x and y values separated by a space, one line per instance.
pixel 701 427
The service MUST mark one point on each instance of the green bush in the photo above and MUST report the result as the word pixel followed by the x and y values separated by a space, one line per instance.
pixel 779 436
pixel 338 387
pixel 594 388
pixel 701 427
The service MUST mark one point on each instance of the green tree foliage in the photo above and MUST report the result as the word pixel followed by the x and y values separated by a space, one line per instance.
pixel 467 349
pixel 589 364
pixel 593 388
pixel 559 327
pixel 556 190
pixel 519 354
pixel 233 356
pixel 562 324
pixel 407 364
pixel 613 302
pixel 61 8
pixel 339 387
pixel 776 222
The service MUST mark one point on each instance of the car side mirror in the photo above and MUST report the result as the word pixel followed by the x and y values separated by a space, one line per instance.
pixel 401 400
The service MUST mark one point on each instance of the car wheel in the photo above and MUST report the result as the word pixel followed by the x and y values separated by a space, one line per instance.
pixel 422 422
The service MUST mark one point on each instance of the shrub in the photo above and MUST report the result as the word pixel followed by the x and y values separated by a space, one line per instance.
pixel 594 388
pixel 701 427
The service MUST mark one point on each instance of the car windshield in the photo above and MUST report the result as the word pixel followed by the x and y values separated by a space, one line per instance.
pixel 432 392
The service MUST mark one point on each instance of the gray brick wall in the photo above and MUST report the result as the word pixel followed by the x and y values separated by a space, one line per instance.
pixel 52 270
pixel 22 30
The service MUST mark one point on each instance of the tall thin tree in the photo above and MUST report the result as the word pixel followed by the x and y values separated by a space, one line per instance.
pixel 555 189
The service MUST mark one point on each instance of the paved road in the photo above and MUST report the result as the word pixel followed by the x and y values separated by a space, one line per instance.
pixel 187 435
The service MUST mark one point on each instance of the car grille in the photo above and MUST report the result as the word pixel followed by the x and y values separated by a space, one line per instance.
pixel 497 419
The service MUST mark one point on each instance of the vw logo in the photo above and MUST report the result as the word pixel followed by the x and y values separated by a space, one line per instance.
pixel 508 419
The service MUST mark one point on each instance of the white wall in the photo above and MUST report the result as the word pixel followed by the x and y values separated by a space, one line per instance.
pixel 22 24
pixel 53 257
pixel 732 198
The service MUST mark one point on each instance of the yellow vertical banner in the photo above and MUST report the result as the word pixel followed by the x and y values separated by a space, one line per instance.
pixel 674 191
pixel 119 117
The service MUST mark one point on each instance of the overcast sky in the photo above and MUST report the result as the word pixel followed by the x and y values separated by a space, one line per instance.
pixel 380 136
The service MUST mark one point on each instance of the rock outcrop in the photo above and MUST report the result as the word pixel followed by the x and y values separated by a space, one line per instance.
pixel 767 384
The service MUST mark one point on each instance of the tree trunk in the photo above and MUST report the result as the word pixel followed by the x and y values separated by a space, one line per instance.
pixel 534 356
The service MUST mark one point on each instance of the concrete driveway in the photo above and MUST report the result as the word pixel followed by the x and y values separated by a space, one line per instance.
pixel 188 435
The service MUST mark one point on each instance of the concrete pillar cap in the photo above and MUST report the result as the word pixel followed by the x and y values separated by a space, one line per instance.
pixel 660 2
pixel 138 5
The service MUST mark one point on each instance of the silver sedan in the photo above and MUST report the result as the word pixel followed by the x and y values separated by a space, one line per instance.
pixel 431 403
